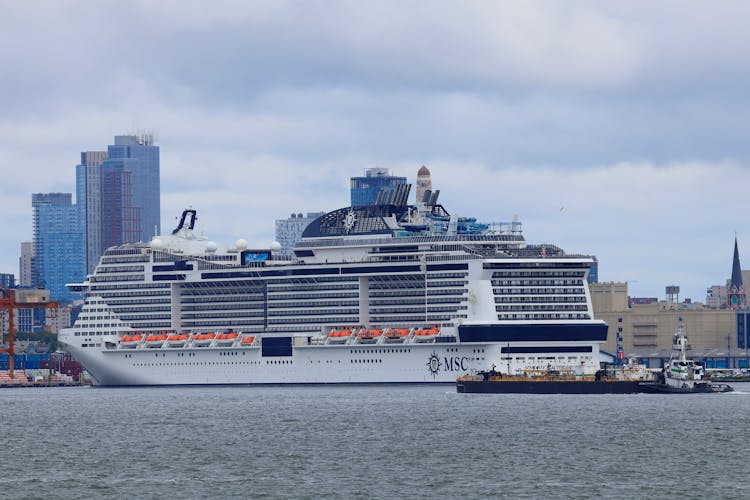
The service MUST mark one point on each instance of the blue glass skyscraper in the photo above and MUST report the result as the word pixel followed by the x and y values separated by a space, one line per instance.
pixel 7 280
pixel 364 190
pixel 59 252
pixel 139 156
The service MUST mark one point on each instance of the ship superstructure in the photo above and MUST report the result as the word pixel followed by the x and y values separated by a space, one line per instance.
pixel 388 292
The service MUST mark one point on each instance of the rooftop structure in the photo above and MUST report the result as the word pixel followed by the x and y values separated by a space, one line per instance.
pixel 716 297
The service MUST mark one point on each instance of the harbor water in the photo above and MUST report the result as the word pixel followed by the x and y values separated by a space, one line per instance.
pixel 400 441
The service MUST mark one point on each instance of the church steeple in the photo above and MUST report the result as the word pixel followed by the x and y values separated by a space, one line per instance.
pixel 736 269
pixel 736 296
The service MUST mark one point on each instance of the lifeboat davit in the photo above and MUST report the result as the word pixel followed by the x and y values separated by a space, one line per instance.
pixel 203 339
pixel 130 341
pixel 225 339
pixel 426 334
pixel 247 340
pixel 155 340
pixel 339 336
pixel 177 340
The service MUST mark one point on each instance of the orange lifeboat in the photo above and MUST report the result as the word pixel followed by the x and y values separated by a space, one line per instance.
pixel 177 340
pixel 130 341
pixel 247 340
pixel 426 334
pixel 397 334
pixel 369 336
pixel 226 338
pixel 339 336
pixel 203 339
pixel 155 340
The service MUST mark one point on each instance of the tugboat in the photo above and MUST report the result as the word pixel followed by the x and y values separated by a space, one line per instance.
pixel 681 375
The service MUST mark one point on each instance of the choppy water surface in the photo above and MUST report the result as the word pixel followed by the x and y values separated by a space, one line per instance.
pixel 370 441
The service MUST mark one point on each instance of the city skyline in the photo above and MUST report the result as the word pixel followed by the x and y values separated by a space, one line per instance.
pixel 633 148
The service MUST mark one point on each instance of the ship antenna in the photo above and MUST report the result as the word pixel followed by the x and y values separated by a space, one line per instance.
pixel 507 356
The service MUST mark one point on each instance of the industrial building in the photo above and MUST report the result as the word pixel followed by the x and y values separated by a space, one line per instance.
pixel 644 330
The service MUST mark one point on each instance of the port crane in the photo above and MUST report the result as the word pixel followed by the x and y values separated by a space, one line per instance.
pixel 8 304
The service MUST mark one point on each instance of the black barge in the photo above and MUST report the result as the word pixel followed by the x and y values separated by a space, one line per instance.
pixel 492 382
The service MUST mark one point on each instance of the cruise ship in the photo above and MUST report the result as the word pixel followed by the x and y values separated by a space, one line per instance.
pixel 382 293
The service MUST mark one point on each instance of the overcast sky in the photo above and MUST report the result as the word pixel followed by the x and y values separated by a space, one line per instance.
pixel 618 129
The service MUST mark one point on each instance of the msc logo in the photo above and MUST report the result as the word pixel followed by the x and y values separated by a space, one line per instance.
pixel 448 364
pixel 433 364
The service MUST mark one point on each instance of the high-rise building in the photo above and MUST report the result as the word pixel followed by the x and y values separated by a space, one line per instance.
pixel 424 183
pixel 594 271
pixel 59 255
pixel 24 263
pixel 37 201
pixel 118 193
pixel 289 231
pixel 89 202
pixel 120 220
pixel 7 280
pixel 364 190
pixel 139 156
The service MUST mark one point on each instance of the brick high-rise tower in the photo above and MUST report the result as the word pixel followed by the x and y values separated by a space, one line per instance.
pixel 424 183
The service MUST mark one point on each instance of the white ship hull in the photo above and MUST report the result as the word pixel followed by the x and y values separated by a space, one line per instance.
pixel 312 365
pixel 332 364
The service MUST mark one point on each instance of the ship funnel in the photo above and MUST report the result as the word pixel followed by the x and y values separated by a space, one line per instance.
pixel 192 215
